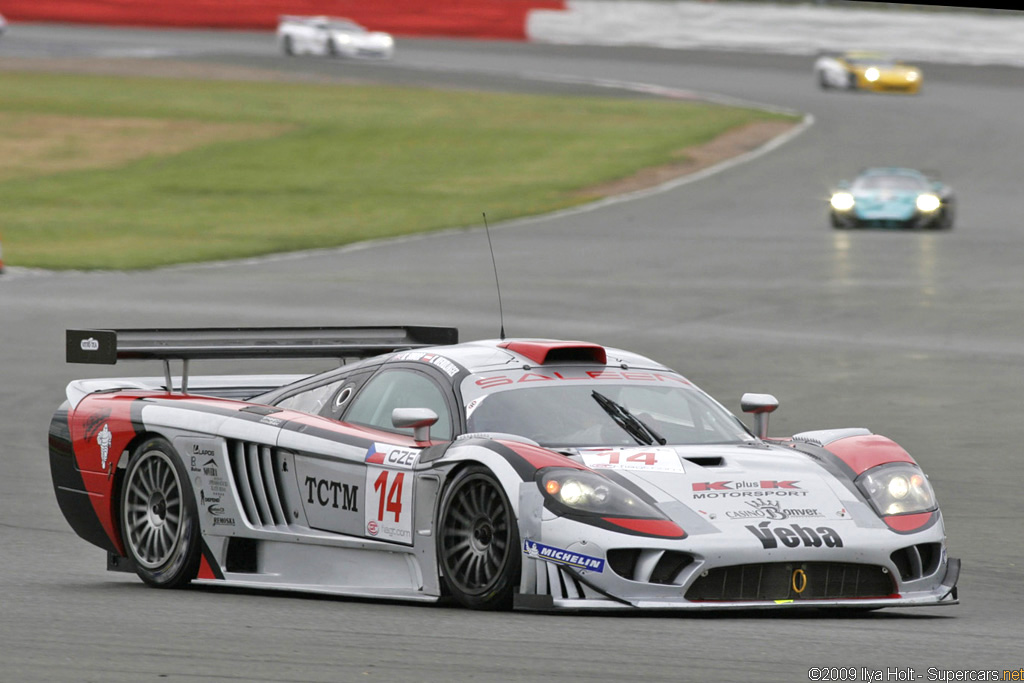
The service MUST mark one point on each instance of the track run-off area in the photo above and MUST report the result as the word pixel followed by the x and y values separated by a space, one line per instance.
pixel 735 279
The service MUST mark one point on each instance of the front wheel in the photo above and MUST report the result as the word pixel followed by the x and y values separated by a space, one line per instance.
pixel 478 541
pixel 159 523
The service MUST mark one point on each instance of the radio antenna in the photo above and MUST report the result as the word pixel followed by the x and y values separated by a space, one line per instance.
pixel 497 285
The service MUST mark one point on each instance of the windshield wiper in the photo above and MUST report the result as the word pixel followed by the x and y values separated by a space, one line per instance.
pixel 632 424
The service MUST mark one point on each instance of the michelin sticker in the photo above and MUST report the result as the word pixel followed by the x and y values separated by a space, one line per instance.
pixel 568 558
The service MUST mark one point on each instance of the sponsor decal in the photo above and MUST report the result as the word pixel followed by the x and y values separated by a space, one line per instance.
pixel 204 455
pixel 215 509
pixel 771 509
pixel 560 556
pixel 392 456
pixel 223 521
pixel 446 366
pixel 707 490
pixel 603 375
pixel 391 516
pixel 104 439
pixel 272 421
pixel 794 535
pixel 333 494
pixel 90 344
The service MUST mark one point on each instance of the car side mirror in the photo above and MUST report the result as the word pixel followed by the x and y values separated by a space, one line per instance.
pixel 420 419
pixel 761 405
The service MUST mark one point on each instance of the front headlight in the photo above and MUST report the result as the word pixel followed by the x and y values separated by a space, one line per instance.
pixel 899 489
pixel 872 74
pixel 913 76
pixel 928 202
pixel 842 201
pixel 582 491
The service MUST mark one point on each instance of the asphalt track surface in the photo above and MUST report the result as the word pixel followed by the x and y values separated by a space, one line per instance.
pixel 736 280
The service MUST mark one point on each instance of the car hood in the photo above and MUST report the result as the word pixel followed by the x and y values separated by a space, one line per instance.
pixel 892 204
pixel 732 486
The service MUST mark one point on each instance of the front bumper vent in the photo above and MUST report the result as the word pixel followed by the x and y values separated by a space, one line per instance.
pixel 648 565
pixel 917 561
pixel 792 581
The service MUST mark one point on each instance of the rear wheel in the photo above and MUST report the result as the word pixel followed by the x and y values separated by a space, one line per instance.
pixel 287 46
pixel 159 524
pixel 478 543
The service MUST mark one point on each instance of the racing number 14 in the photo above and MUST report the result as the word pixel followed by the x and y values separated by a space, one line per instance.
pixel 392 500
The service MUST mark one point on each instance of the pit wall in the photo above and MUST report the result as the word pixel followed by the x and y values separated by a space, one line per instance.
pixel 491 19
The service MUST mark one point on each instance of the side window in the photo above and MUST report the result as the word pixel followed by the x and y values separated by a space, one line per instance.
pixel 400 389
pixel 311 400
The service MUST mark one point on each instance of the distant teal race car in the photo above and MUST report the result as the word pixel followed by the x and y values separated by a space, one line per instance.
pixel 892 198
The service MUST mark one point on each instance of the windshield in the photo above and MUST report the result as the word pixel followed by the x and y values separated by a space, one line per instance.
pixel 571 416
pixel 890 182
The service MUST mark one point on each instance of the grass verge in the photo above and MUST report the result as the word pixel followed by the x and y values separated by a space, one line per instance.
pixel 109 172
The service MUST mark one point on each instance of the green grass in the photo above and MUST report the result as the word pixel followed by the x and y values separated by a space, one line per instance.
pixel 345 163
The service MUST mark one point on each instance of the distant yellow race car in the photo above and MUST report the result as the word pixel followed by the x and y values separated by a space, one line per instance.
pixel 866 71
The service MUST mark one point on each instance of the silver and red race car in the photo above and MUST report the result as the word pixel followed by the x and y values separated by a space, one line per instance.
pixel 523 473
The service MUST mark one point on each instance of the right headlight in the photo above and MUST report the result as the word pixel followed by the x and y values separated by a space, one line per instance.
pixel 897 489
pixel 842 201
pixel 574 492
pixel 928 202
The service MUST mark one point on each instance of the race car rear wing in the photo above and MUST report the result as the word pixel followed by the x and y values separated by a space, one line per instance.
pixel 207 343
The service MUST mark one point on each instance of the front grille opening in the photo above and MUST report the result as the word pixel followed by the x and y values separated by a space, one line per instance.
pixel 917 561
pixel 781 581
pixel 648 565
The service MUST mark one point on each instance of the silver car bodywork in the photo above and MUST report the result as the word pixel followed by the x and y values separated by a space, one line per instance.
pixel 287 497
pixel 332 36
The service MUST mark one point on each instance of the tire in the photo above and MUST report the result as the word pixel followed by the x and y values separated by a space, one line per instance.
pixel 823 80
pixel 478 541
pixel 332 48
pixel 159 522
pixel 287 46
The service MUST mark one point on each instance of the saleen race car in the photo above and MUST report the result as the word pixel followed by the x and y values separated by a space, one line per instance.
pixel 892 198
pixel 866 71
pixel 333 37
pixel 526 473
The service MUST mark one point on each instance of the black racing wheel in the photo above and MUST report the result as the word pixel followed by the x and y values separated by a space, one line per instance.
pixel 478 541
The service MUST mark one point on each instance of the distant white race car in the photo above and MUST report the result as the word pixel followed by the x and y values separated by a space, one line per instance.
pixel 333 37
pixel 3 24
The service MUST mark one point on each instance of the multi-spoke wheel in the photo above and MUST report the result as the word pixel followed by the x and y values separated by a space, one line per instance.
pixel 478 541
pixel 158 517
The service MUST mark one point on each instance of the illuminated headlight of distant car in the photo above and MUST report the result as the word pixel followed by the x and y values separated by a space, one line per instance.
pixel 871 74
pixel 928 203
pixel 897 489
pixel 387 41
pixel 842 201
pixel 913 76
pixel 588 493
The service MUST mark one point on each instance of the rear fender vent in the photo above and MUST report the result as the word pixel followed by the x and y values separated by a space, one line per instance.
pixel 255 472
pixel 647 565
pixel 917 561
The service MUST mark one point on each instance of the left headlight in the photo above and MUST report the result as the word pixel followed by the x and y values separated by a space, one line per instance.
pixel 872 74
pixel 928 202
pixel 581 491
pixel 897 489
pixel 842 201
